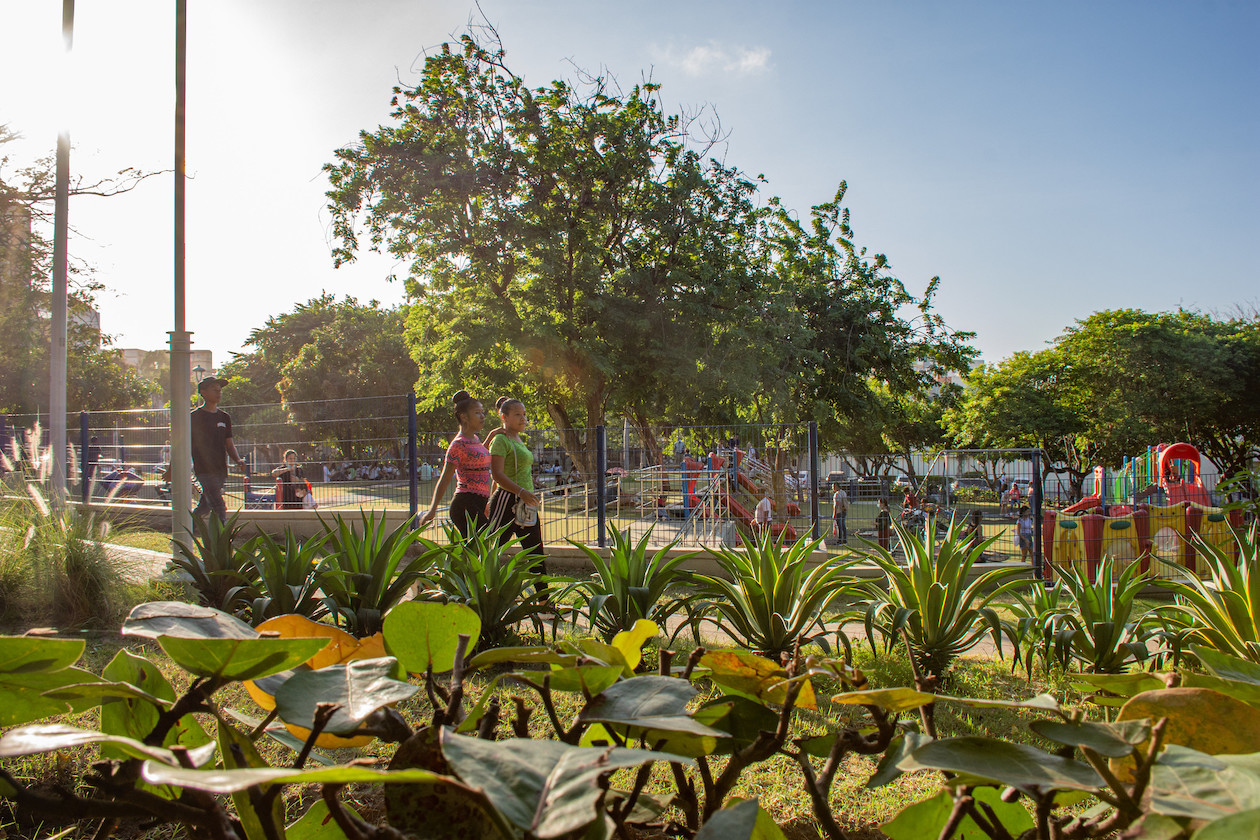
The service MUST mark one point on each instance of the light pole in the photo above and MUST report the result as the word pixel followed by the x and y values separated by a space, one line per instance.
pixel 57 327
pixel 181 339
pixel 200 373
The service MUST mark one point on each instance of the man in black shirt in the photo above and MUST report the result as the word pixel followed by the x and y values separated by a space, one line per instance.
pixel 211 446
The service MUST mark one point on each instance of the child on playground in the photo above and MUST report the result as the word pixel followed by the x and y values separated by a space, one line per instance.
pixel 1024 533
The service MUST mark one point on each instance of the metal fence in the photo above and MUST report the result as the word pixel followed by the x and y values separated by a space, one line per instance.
pixel 697 485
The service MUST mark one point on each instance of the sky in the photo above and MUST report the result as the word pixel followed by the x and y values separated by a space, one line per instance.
pixel 1045 160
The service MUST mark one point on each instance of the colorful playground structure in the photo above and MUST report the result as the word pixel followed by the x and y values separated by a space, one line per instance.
pixel 727 485
pixel 1144 513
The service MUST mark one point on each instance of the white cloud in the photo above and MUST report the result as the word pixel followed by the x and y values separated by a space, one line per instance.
pixel 706 59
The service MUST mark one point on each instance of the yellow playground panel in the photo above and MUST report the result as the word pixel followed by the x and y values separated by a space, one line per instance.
pixel 1156 536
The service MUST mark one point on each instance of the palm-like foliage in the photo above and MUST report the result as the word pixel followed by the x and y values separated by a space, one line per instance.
pixel 629 585
pixel 1225 612
pixel 218 566
pixel 367 573
pixel 287 575
pixel 503 590
pixel 1040 610
pixel 1102 632
pixel 775 597
pixel 932 599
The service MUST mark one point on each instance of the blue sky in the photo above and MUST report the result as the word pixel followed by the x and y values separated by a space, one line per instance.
pixel 1045 160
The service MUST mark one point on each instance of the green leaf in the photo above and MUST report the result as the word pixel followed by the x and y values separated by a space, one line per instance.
pixel 188 621
pixel 589 680
pixel 535 654
pixel 740 718
pixel 543 787
pixel 1041 702
pixel 889 768
pixel 1188 783
pixel 1110 739
pixel 650 702
pixel 138 695
pixel 43 738
pixel 359 688
pixel 1227 667
pixel 239 752
pixel 928 817
pixel 424 633
pixel 1244 825
pixel 230 781
pixel 317 823
pixel 741 821
pixel 29 654
pixel 22 694
pixel 1020 766
pixel 238 658
pixel 888 699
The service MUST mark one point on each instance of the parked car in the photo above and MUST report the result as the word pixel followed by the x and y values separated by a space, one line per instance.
pixel 972 484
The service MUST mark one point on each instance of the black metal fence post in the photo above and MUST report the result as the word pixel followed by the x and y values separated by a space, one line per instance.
pixel 813 479
pixel 1037 508
pixel 601 479
pixel 84 442
pixel 413 486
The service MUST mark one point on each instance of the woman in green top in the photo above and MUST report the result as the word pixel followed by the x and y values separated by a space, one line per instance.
pixel 510 466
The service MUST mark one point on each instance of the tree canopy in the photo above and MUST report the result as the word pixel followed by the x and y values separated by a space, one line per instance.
pixel 1117 382
pixel 329 361
pixel 576 246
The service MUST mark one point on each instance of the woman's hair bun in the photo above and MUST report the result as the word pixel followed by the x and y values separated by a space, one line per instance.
pixel 498 404
pixel 460 396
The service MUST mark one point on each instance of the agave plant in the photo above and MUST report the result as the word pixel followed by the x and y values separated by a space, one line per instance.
pixel 933 599
pixel 287 575
pixel 1040 609
pixel 629 585
pixel 775 597
pixel 219 567
pixel 1105 630
pixel 503 590
pixel 1224 613
pixel 367 573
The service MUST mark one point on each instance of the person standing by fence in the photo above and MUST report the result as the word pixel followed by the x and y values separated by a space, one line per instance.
pixel 839 513
pixel 211 446
pixel 513 503
pixel 883 525
pixel 468 461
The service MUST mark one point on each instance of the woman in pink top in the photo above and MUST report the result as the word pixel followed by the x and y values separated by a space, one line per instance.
pixel 468 460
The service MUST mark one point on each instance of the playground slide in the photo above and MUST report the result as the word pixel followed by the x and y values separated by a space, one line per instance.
pixel 744 518
pixel 1182 492
pixel 1091 501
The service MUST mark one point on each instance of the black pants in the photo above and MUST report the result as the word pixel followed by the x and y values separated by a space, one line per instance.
pixel 468 512
pixel 501 513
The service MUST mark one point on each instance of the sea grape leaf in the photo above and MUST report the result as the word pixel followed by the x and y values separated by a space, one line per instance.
pixel 546 788
pixel 745 820
pixel 649 702
pixel 754 677
pixel 1023 767
pixel 230 781
pixel 928 817
pixel 889 699
pixel 188 621
pixel 358 688
pixel 630 642
pixel 238 659
pixel 421 634
pixel 1109 739
pixel 317 823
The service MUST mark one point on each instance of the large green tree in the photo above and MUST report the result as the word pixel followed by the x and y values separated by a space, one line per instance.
pixel 573 245
pixel 1117 382
pixel 565 244
pixel 330 361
